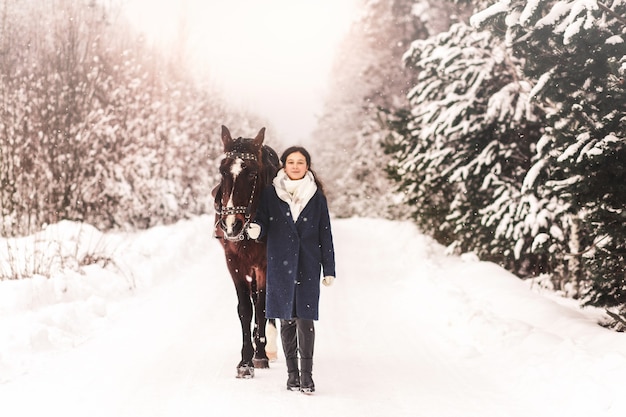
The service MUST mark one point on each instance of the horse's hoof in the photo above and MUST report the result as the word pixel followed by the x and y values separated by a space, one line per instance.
pixel 245 371
pixel 261 363
pixel 272 356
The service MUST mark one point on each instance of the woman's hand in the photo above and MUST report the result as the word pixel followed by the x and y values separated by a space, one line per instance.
pixel 328 280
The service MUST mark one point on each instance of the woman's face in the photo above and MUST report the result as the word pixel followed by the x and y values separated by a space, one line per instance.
pixel 295 166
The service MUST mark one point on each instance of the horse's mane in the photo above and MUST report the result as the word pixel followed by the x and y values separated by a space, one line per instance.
pixel 271 163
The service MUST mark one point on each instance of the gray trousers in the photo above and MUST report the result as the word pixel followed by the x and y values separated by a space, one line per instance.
pixel 298 338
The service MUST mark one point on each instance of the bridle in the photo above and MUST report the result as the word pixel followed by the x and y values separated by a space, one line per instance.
pixel 223 212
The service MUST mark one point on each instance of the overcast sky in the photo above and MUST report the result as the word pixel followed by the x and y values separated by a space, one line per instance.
pixel 272 57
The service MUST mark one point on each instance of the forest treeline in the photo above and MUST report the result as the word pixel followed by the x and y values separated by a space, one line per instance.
pixel 97 124
pixel 498 127
pixel 502 128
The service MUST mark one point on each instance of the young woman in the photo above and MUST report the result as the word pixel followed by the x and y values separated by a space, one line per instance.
pixel 293 214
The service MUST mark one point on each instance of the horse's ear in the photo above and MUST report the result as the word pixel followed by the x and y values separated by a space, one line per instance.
pixel 226 138
pixel 260 137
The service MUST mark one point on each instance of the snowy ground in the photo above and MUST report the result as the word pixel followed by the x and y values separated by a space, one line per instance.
pixel 405 331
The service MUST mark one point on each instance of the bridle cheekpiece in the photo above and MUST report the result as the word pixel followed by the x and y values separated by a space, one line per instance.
pixel 246 211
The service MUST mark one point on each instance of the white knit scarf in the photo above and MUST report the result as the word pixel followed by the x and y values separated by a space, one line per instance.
pixel 296 193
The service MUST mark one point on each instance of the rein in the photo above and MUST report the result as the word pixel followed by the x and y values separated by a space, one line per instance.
pixel 245 210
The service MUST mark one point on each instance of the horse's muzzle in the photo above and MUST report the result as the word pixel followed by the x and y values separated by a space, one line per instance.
pixel 234 232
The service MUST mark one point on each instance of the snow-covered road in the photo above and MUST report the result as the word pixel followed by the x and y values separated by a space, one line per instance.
pixel 405 331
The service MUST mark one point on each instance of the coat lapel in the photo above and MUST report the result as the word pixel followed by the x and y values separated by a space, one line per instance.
pixel 288 219
pixel 306 211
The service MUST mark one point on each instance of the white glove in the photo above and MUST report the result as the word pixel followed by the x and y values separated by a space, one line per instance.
pixel 328 280
pixel 253 230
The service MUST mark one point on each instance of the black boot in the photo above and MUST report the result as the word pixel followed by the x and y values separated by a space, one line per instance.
pixel 306 342
pixel 293 375
pixel 289 339
pixel 307 386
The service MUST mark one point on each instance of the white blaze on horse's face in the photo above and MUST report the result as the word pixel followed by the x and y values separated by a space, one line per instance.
pixel 236 167
pixel 235 170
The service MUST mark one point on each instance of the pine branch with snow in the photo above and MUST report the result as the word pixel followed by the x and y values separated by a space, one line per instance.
pixel 472 126
pixel 576 51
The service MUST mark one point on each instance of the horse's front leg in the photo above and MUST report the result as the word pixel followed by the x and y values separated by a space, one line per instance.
pixel 245 368
pixel 260 356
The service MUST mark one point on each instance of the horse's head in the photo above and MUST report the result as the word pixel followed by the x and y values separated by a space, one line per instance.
pixel 241 171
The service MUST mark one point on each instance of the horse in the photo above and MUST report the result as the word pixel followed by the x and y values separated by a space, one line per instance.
pixel 246 168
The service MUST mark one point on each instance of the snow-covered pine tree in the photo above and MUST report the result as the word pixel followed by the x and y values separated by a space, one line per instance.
pixel 576 52
pixel 368 82
pixel 471 135
pixel 95 127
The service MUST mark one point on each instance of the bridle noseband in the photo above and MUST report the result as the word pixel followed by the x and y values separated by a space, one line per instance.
pixel 245 210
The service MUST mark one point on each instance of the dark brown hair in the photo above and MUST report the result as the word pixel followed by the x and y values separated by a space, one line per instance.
pixel 307 156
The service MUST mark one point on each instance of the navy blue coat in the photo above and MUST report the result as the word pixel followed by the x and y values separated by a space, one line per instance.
pixel 296 254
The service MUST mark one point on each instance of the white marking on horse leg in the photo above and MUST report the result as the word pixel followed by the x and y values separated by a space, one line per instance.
pixel 271 348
